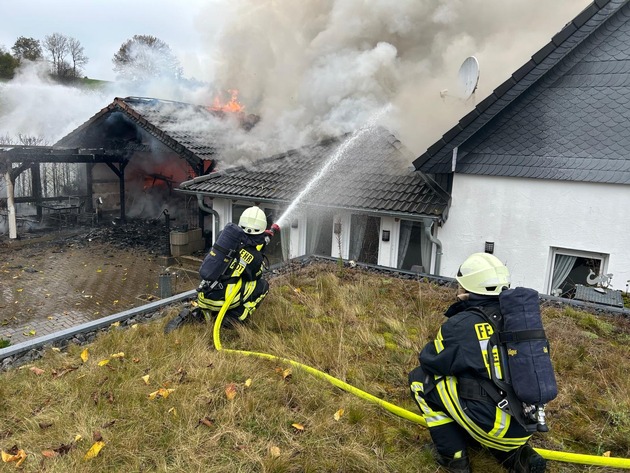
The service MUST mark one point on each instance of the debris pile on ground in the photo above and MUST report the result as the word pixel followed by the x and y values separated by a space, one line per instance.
pixel 151 236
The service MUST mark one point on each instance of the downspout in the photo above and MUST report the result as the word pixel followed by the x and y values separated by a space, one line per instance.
pixel 438 245
pixel 210 210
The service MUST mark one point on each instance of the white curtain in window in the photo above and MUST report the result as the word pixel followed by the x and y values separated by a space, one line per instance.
pixel 313 234
pixel 562 268
pixel 405 235
pixel 357 233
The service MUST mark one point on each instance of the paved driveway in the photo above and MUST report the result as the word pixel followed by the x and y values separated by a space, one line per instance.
pixel 46 286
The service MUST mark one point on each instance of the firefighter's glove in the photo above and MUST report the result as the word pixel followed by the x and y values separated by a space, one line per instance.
pixel 272 231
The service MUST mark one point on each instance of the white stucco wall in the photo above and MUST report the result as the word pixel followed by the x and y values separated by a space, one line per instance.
pixel 527 217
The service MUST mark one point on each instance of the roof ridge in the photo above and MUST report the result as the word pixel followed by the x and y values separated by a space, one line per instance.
pixel 538 66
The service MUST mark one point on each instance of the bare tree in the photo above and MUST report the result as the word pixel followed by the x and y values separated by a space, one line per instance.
pixel 27 48
pixel 143 57
pixel 59 47
pixel 77 55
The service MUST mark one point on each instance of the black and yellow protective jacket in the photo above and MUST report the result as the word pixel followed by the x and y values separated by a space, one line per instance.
pixel 248 265
pixel 458 356
pixel 460 345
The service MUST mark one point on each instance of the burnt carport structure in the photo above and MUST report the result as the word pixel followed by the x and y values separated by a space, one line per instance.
pixel 14 160
pixel 150 131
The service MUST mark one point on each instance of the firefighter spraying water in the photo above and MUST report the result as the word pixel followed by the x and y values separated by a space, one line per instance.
pixel 237 255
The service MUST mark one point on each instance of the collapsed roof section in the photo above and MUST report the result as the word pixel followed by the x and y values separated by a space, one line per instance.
pixel 372 175
pixel 127 124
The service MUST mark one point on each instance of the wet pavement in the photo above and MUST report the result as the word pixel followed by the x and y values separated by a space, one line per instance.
pixel 57 281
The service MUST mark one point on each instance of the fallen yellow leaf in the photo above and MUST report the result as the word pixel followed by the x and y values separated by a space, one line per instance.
pixel 248 382
pixel 173 411
pixel 99 270
pixel 37 370
pixel 77 437
pixel 286 373
pixel 103 362
pixel 120 354
pixel 606 454
pixel 230 391
pixel 297 426
pixel 94 450
pixel 145 378
pixel 115 324
pixel 57 349
pixel 162 392
pixel 338 414
pixel 85 355
pixel 274 451
pixel 19 457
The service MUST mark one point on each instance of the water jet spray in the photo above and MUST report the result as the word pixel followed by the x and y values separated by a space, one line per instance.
pixel 339 153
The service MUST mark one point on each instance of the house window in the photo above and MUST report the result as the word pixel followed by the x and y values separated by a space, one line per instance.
pixel 364 238
pixel 319 233
pixel 413 247
pixel 572 267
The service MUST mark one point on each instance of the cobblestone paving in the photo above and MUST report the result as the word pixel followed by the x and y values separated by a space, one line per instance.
pixel 50 286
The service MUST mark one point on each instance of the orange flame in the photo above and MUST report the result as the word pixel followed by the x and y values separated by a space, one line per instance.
pixel 232 106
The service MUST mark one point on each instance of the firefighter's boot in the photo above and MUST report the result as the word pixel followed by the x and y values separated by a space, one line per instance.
pixel 186 316
pixel 526 460
pixel 456 464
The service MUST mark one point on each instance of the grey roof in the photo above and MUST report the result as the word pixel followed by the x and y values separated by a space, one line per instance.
pixel 564 115
pixel 370 172
pixel 193 131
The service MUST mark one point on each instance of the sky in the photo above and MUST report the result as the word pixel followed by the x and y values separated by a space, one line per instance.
pixel 102 26
pixel 309 69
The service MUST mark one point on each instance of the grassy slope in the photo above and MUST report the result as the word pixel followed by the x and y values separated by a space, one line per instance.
pixel 362 328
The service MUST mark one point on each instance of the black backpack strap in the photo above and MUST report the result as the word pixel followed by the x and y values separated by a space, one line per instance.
pixel 522 335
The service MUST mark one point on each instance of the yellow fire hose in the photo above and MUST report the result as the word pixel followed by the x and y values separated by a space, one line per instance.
pixel 594 460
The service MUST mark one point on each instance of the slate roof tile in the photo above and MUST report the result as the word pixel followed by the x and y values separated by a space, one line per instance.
pixel 578 109
pixel 373 176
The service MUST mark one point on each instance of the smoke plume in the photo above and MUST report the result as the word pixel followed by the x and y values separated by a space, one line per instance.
pixel 311 69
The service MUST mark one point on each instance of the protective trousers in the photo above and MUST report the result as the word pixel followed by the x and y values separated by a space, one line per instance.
pixel 244 302
pixel 456 424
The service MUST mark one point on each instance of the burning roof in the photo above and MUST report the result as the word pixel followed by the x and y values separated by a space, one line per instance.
pixel 194 131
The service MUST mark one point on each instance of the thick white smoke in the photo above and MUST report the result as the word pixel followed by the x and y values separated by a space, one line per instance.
pixel 319 67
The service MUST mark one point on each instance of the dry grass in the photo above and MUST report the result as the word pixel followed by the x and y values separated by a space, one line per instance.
pixel 363 328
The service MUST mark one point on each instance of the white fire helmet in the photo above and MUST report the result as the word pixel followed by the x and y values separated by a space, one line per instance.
pixel 253 221
pixel 483 273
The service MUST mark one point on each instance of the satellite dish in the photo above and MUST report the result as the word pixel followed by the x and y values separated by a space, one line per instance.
pixel 468 77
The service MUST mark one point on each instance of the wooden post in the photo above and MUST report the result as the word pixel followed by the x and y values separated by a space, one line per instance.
pixel 11 216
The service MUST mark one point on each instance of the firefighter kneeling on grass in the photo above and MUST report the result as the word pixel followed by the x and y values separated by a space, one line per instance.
pixel 456 384
pixel 238 254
